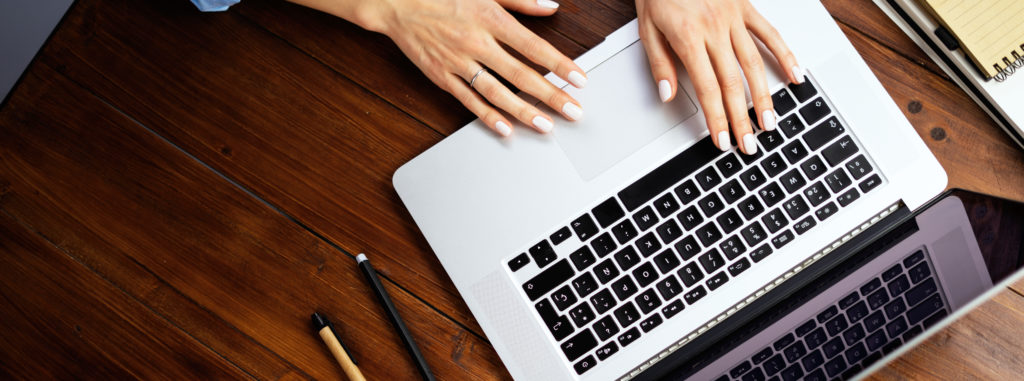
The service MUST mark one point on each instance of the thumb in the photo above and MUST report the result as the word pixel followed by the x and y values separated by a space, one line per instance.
pixel 530 7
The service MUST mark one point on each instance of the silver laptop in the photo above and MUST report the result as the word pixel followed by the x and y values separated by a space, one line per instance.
pixel 627 240
pixel 24 26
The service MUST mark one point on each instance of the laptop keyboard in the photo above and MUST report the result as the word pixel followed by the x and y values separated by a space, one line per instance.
pixel 856 330
pixel 690 226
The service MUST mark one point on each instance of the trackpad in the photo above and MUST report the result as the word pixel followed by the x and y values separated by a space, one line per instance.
pixel 622 113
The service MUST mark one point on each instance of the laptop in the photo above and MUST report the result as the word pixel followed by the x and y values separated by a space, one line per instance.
pixel 623 245
pixel 25 25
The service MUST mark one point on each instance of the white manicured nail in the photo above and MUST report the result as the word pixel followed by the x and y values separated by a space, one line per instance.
pixel 577 79
pixel 768 119
pixel 749 144
pixel 503 128
pixel 573 111
pixel 664 90
pixel 542 124
pixel 723 141
pixel 547 4
pixel 798 73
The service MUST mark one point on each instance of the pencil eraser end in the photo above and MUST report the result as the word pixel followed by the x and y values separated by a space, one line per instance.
pixel 360 258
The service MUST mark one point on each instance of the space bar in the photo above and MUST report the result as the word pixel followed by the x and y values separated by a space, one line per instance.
pixel 667 174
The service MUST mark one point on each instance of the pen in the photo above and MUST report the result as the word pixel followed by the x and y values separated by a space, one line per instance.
pixel 389 307
pixel 326 330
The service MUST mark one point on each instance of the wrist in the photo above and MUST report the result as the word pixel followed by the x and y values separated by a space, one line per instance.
pixel 374 15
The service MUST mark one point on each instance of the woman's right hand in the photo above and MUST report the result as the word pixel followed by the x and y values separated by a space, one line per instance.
pixel 452 40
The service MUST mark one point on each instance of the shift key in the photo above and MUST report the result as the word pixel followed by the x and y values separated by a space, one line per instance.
pixel 823 133
pixel 548 279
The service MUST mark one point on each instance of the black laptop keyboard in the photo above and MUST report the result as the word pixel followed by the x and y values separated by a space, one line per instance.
pixel 691 225
pixel 856 330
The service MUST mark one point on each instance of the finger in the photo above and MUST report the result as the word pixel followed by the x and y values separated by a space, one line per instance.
pixel 527 80
pixel 530 7
pixel 731 81
pixel 662 67
pixel 538 50
pixel 771 38
pixel 695 58
pixel 476 104
pixel 500 96
pixel 753 69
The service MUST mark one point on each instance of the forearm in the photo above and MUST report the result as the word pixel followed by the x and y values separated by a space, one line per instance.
pixel 368 14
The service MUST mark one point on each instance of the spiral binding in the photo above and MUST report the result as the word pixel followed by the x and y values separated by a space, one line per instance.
pixel 1011 66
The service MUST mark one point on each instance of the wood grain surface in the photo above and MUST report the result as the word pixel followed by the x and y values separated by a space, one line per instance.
pixel 179 191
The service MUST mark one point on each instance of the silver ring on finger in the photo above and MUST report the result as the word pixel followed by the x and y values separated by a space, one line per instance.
pixel 472 81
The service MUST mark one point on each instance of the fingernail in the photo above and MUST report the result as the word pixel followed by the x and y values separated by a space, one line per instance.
pixel 503 128
pixel 547 4
pixel 664 90
pixel 798 73
pixel 749 144
pixel 577 79
pixel 723 141
pixel 768 119
pixel 572 110
pixel 543 124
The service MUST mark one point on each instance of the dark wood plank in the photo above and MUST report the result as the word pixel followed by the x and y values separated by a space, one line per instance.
pixel 165 229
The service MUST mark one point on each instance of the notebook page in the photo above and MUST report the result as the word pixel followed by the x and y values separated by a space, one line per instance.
pixel 989 30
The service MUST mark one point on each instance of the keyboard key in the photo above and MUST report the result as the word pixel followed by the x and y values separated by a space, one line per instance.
pixel 543 253
pixel 794 352
pixel 839 151
pixel 628 337
pixel 584 227
pixel 627 314
pixel 740 369
pixel 602 301
pixel 925 309
pixel 775 220
pixel 857 311
pixel 919 272
pixel 738 267
pixel 579 345
pixel 899 285
pixel 837 180
pixel 606 271
pixel 669 173
pixel 584 365
pixel 836 325
pixel 687 248
pixel 773 165
pixel 815 375
pixel 582 258
pixel 708 234
pixel 761 356
pixel 624 231
pixel 548 279
pixel 792 373
pixel 647 301
pixel 826 211
pixel 561 235
pixel 761 252
pixel 732 247
pixel 624 287
pixel 770 140
pixel 607 350
pixel 711 261
pixel 895 308
pixel 558 325
pixel 717 280
pixel 690 218
pixel 896 327
pixel 518 262
pixel 848 300
pixel 627 258
pixel 751 208
pixel 920 292
pixel 794 151
pixel 645 218
pixel 891 273
pixel 848 197
pixel 695 294
pixel 812 113
pixel 708 178
pixel 650 323
pixel 669 231
pixel 815 338
pixel 690 274
pixel 669 287
pixel 870 183
pixel 835 367
pixel 796 207
pixel 803 91
pixel 752 178
pixel 711 205
pixel 875 320
pixel 581 314
pixel 732 191
pixel 666 261
pixel 911 333
pixel 791 126
pixel 816 193
pixel 666 205
pixel 858 167
pixel 833 347
pixel 872 285
pixel 853 334
pixel 728 165
pixel 672 309
pixel 603 244
pixel 563 298
pixel 771 194
pixel 875 341
pixel 792 181
pixel 784 341
pixel 932 320
pixel 782 239
pixel 687 192
pixel 753 234
pixel 783 104
pixel 913 258
pixel 645 274
pixel 584 284
pixel 804 225
pixel 648 244
pixel 755 375
pixel 813 167
pixel 827 314
pixel 729 221
pixel 774 365
pixel 856 353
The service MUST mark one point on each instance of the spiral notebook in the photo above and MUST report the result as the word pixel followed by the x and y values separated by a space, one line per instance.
pixel 991 31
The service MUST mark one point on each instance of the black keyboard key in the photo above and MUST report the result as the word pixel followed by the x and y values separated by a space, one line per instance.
pixel 624 287
pixel 728 165
pixel 628 337
pixel 775 220
pixel 792 181
pixel 794 151
pixel 848 197
pixel 563 298
pixel 690 274
pixel 666 205
pixel 921 291
pixel 548 279
pixel 791 126
pixel 835 367
pixel 687 248
pixel 858 167
pixel 645 218
pixel 839 151
pixel 582 258
pixel 603 244
pixel 774 365
pixel 687 191
pixel 771 194
pixel 711 261
pixel 913 258
pixel 606 271
pixel 666 261
pixel 627 314
pixel 650 323
pixel 853 334
pixel 543 253
pixel 669 231
pixel 870 183
pixel 752 178
pixel 849 300
pixel 803 91
pixel 794 352
pixel 816 193
pixel 755 375
pixel 647 301
pixel 919 272
pixel 518 262
pixel 695 294
pixel 669 287
pixel 875 320
pixel 856 353
pixel 584 227
pixel 784 341
pixel 857 311
pixel 932 320
pixel 730 221
pixel 833 347
pixel 627 258
pixel 812 113
pixel 760 253
pixel 645 274
pixel 708 234
pixel 773 165
pixel 561 235
pixel 804 225
pixel 805 328
pixel 826 211
pixel 732 191
pixel 672 309
pixel 732 247
pixel 558 325
pixel 925 309
pixel 717 280
pixel 837 180
pixel 624 231
pixel 782 239
pixel 761 356
pixel 711 205
pixel 708 178
pixel 648 244
pixel 875 341
pixel 783 102
pixel 584 365
pixel 740 369
pixel 815 375
pixel 770 140
pixel 753 234
pixel 584 284
pixel 899 285
pixel 836 325
pixel 738 267
pixel 690 218
pixel 911 333
pixel 579 345
pixel 891 273
pixel 895 308
pixel 792 373
pixel 582 314
pixel 896 327
pixel 827 314
pixel 751 208
pixel 603 301
pixel 815 338
pixel 872 285
pixel 675 169
pixel 607 350
pixel 823 133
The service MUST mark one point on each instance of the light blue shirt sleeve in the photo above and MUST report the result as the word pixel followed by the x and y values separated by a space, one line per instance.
pixel 214 5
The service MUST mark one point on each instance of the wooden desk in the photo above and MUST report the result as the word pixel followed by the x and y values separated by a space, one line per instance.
pixel 179 191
